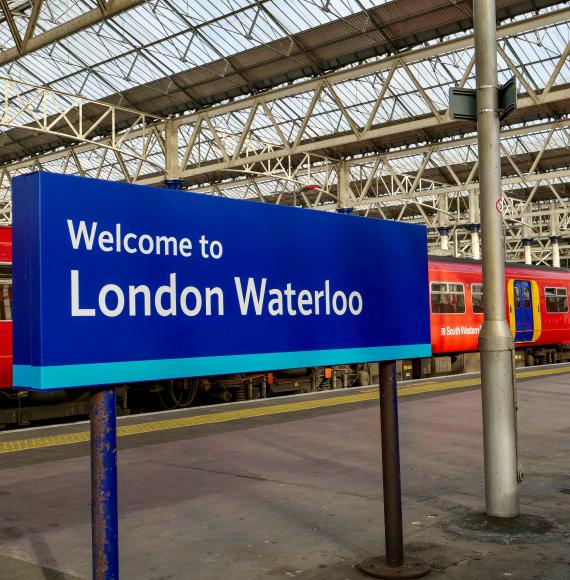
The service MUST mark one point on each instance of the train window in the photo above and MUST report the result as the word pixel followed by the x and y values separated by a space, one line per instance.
pixel 556 299
pixel 5 292
pixel 517 297
pixel 526 296
pixel 447 298
pixel 477 298
pixel 6 272
pixel 5 301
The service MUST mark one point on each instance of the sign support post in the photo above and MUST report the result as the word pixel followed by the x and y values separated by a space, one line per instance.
pixel 104 514
pixel 393 565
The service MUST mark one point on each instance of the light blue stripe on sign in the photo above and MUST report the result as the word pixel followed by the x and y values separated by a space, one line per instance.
pixel 64 376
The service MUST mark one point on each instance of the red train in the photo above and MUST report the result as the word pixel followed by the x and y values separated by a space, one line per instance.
pixel 5 307
pixel 537 308
pixel 537 312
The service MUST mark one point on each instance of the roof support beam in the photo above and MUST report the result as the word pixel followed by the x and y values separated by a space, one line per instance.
pixel 413 125
pixel 32 22
pixel 11 24
pixel 64 30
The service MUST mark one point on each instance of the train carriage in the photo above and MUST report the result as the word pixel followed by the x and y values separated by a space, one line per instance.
pixel 537 308
pixel 537 312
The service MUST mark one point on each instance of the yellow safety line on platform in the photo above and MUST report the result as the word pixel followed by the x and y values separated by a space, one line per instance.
pixel 236 414
pixel 541 373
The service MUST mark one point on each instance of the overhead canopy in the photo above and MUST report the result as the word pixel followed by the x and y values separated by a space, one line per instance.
pixel 172 56
pixel 260 99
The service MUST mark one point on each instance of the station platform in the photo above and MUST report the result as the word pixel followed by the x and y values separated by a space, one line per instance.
pixel 290 487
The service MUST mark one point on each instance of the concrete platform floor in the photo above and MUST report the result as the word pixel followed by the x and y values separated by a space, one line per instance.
pixel 296 495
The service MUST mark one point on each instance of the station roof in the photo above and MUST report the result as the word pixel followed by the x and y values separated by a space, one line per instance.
pixel 166 56
pixel 216 57
pixel 172 56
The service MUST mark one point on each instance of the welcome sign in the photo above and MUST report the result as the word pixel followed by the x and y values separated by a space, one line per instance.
pixel 117 283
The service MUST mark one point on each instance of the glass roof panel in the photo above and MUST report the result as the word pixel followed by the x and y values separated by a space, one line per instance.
pixel 175 34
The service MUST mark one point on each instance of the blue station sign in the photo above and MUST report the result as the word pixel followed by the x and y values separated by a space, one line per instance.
pixel 118 283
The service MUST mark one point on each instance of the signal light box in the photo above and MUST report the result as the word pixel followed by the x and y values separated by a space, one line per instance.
pixel 118 283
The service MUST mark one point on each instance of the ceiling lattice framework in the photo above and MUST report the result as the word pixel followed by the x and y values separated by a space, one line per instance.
pixel 375 136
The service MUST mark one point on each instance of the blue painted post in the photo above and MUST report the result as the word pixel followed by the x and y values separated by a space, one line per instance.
pixel 104 514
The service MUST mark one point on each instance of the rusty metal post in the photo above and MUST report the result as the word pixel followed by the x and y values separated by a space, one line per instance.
pixel 104 514
pixel 393 565
pixel 391 466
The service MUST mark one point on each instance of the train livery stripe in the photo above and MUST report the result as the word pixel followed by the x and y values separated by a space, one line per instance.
pixel 536 314
pixel 511 306
pixel 359 396
pixel 58 377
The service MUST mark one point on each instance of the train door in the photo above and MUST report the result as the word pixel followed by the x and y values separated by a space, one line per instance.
pixel 522 304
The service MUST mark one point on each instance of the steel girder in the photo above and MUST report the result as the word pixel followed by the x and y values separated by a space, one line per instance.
pixel 39 110
pixel 31 40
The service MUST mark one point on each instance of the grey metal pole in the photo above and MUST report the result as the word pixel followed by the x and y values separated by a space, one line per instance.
pixel 495 340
